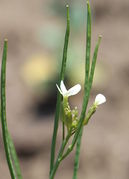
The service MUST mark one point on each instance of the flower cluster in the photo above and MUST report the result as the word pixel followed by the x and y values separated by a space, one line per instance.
pixel 70 117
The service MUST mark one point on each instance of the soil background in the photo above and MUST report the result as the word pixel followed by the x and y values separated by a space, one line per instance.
pixel 105 144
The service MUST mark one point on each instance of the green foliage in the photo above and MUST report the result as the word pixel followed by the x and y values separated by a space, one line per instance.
pixel 62 74
pixel 10 151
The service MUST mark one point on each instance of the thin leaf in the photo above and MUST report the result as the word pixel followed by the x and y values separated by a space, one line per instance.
pixel 62 73
pixel 3 113
pixel 94 63
pixel 87 69
pixel 88 43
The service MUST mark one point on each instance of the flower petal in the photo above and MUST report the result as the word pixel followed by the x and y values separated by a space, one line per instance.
pixel 59 89
pixel 63 88
pixel 100 99
pixel 74 90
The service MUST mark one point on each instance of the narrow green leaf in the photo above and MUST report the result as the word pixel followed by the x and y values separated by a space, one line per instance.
pixel 88 43
pixel 86 97
pixel 62 73
pixel 94 63
pixel 3 112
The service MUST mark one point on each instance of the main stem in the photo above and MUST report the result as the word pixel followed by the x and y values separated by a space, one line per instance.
pixel 59 158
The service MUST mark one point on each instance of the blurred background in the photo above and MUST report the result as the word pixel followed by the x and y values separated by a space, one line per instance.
pixel 35 31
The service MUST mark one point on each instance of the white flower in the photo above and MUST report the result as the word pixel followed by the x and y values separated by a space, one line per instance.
pixel 72 91
pixel 100 99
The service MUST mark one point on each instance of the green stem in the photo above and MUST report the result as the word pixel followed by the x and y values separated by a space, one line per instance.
pixel 62 73
pixel 77 154
pixel 3 113
pixel 59 158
